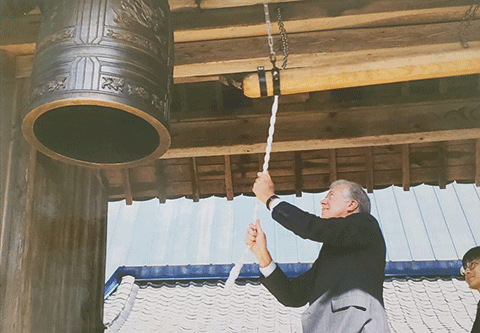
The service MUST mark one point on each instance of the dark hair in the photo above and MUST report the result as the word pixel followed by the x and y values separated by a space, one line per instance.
pixel 472 254
pixel 354 192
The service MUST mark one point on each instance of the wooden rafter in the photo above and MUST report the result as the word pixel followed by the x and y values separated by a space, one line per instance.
pixel 261 160
pixel 298 173
pixel 194 180
pixel 369 169
pixel 406 167
pixel 160 181
pixel 332 164
pixel 477 162
pixel 388 160
pixel 442 165
pixel 127 186
pixel 228 178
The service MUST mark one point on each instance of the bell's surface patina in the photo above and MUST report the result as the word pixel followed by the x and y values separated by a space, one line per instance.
pixel 101 82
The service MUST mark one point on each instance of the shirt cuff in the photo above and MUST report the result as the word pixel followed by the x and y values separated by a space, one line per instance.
pixel 274 202
pixel 267 270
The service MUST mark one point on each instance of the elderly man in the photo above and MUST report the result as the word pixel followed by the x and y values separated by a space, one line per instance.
pixel 471 270
pixel 344 287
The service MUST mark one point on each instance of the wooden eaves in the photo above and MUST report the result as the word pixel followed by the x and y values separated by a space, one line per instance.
pixel 389 132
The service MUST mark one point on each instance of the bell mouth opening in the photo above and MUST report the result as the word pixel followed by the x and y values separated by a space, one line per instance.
pixel 96 135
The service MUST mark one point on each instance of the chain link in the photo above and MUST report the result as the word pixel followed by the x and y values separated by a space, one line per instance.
pixel 283 34
pixel 273 57
pixel 467 19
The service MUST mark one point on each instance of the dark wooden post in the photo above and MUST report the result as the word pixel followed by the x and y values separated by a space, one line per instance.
pixel 53 233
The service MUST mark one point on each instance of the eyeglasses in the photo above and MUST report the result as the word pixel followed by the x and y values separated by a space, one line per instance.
pixel 469 265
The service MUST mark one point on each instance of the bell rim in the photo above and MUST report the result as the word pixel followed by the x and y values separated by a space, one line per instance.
pixel 35 112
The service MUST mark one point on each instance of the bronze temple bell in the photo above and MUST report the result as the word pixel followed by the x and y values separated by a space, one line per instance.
pixel 101 82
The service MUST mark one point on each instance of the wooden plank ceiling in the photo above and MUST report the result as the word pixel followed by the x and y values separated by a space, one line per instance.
pixel 379 92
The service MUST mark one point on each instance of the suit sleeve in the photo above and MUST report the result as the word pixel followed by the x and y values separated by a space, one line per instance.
pixel 292 292
pixel 355 230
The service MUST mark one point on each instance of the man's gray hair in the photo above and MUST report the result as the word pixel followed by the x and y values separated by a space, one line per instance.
pixel 354 191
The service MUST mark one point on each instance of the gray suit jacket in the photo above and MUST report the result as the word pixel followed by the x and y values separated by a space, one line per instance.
pixel 353 312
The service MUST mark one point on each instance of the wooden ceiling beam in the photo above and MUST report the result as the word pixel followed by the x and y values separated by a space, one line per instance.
pixel 364 20
pixel 324 48
pixel 359 127
pixel 397 68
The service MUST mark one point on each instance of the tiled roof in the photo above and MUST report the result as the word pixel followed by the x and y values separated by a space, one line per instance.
pixel 413 305
pixel 426 229
pixel 424 224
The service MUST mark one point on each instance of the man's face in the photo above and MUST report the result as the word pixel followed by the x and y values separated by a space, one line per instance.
pixel 472 274
pixel 335 204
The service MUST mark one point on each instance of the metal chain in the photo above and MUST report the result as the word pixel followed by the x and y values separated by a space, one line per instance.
pixel 283 33
pixel 467 19
pixel 273 57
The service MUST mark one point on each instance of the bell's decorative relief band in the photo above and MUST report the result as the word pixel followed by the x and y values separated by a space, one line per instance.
pixel 51 86
pixel 58 37
pixel 116 84
pixel 134 39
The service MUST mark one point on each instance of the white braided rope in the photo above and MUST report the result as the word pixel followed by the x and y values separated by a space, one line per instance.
pixel 235 272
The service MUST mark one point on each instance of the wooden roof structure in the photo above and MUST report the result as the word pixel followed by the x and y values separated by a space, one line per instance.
pixel 380 92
